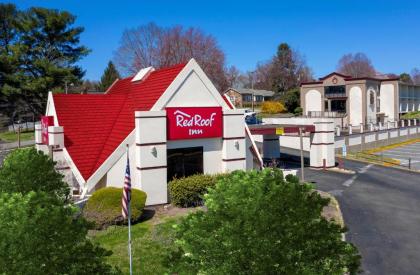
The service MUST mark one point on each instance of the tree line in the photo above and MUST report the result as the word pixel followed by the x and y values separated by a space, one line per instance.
pixel 40 50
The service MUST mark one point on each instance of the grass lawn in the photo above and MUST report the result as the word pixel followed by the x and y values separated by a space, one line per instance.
pixel 12 136
pixel 151 240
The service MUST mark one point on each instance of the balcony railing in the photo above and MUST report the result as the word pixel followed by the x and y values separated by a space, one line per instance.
pixel 335 95
pixel 326 114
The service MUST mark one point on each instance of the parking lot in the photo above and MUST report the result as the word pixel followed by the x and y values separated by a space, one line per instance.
pixel 404 154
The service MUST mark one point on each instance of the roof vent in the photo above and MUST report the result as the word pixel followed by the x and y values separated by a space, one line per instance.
pixel 142 74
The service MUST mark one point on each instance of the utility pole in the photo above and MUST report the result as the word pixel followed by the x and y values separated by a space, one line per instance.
pixel 302 164
pixel 65 86
pixel 18 135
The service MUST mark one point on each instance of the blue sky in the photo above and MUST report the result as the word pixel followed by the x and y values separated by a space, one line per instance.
pixel 249 31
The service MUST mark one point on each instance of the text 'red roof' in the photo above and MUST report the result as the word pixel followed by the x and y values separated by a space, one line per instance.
pixel 94 125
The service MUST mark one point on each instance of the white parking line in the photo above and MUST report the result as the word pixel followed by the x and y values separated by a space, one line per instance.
pixel 362 170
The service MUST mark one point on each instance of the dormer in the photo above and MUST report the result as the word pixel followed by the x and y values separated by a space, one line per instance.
pixel 143 74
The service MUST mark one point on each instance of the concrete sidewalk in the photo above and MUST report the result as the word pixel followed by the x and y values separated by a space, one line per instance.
pixel 12 145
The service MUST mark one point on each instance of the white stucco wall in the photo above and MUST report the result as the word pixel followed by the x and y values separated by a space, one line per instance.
pixel 115 176
pixel 387 101
pixel 313 101
pixel 355 108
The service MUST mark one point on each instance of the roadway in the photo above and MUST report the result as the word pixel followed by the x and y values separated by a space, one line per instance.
pixel 381 208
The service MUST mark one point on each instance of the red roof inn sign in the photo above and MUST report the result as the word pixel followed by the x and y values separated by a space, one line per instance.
pixel 194 122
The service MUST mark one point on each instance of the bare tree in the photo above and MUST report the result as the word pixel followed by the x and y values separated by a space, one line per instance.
pixel 356 65
pixel 415 76
pixel 151 45
pixel 232 75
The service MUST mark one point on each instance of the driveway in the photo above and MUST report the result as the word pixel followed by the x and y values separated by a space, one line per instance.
pixel 381 208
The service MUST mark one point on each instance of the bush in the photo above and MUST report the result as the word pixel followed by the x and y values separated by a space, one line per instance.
pixel 26 170
pixel 104 207
pixel 298 111
pixel 272 107
pixel 257 222
pixel 40 234
pixel 189 191
pixel 291 99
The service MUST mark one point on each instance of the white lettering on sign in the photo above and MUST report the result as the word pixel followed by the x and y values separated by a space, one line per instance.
pixel 186 120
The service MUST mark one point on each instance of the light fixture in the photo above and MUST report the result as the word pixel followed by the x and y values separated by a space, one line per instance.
pixel 153 151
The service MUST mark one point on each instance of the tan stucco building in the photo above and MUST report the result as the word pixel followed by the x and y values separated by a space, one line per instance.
pixel 359 100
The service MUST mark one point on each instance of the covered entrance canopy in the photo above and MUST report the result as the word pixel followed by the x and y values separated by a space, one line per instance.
pixel 279 129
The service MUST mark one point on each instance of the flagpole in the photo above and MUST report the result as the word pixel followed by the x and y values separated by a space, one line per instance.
pixel 129 230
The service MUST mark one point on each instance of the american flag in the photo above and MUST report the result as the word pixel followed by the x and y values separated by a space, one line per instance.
pixel 126 191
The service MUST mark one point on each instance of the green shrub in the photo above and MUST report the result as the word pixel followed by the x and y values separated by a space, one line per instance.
pixel 41 234
pixel 298 111
pixel 258 222
pixel 189 191
pixel 272 107
pixel 26 170
pixel 104 207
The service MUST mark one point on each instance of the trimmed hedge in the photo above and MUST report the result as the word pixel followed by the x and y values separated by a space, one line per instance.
pixel 189 191
pixel 104 207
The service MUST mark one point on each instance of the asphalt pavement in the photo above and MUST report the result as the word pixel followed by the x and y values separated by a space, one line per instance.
pixel 381 208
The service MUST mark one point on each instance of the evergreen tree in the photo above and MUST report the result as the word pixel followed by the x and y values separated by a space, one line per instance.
pixel 39 51
pixel 109 76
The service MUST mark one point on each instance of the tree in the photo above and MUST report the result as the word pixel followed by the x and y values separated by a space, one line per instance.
pixel 40 235
pixel 109 76
pixel 152 45
pixel 405 77
pixel 260 223
pixel 285 71
pixel 40 49
pixel 26 170
pixel 232 76
pixel 356 65
pixel 291 99
pixel 415 76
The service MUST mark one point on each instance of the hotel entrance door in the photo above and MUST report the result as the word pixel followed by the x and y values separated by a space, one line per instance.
pixel 184 162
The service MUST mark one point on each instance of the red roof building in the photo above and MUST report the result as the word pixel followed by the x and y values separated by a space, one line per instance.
pixel 90 132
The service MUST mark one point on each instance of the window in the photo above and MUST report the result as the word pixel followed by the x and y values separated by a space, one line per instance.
pixel 371 98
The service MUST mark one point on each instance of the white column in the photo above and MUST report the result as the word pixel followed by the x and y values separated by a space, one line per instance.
pixel 402 123
pixel 338 129
pixel 322 145
pixel 414 122
pixel 151 160
pixel 361 128
pixel 38 140
pixel 350 129
pixel 371 127
pixel 409 122
pixel 56 147
pixel 233 149
pixel 380 125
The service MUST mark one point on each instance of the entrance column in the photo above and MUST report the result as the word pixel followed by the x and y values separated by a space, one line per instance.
pixel 233 149
pixel 151 160
pixel 322 145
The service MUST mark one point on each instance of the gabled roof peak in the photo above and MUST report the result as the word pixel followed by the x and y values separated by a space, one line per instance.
pixel 334 73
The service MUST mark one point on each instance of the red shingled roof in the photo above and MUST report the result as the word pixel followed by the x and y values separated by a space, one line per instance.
pixel 94 125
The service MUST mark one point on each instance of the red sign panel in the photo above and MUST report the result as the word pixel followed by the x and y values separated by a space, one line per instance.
pixel 45 122
pixel 194 122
